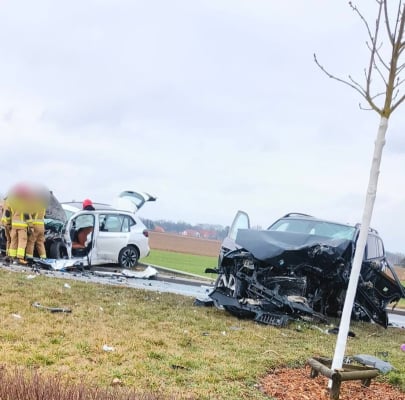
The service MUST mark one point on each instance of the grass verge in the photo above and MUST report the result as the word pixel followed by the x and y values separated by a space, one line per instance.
pixel 182 262
pixel 161 343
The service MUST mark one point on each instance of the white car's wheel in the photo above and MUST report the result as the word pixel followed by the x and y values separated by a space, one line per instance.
pixel 128 257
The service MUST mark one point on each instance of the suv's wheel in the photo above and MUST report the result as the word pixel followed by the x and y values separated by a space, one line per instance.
pixel 57 251
pixel 128 257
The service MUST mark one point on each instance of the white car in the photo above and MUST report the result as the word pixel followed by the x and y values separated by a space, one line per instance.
pixel 106 235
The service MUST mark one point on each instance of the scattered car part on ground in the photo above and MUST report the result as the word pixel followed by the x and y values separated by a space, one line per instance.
pixel 52 309
pixel 299 268
pixel 371 361
pixel 148 273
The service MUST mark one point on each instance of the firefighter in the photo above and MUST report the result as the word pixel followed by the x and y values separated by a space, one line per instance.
pixel 21 224
pixel 37 237
pixel 88 205
pixel 6 222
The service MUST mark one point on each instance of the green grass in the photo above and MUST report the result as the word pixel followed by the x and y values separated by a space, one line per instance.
pixel 182 262
pixel 163 344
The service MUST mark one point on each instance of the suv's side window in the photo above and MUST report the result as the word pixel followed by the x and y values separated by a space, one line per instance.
pixel 375 248
pixel 380 247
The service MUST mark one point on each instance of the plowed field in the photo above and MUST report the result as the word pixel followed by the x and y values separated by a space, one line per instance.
pixel 184 244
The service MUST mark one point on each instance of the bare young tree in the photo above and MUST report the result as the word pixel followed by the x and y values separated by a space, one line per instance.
pixel 381 89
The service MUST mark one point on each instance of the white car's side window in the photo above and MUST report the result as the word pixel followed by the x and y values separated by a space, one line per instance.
pixel 114 223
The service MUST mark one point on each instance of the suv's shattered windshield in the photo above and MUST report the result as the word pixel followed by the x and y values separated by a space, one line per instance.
pixel 318 228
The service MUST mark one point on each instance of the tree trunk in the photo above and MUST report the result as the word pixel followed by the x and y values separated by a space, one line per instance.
pixel 360 246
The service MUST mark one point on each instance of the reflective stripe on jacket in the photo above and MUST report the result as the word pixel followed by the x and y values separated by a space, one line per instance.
pixel 20 218
pixel 38 217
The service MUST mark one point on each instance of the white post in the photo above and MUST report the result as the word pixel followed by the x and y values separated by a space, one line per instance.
pixel 360 246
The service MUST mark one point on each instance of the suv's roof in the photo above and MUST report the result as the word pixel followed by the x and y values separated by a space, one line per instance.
pixel 296 215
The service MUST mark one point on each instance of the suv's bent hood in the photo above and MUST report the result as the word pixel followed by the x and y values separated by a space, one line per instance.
pixel 55 210
pixel 267 245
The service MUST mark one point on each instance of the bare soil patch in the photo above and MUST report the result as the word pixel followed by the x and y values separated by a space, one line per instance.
pixel 184 244
pixel 400 272
pixel 295 384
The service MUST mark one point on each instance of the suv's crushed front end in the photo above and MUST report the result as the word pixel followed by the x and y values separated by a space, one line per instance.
pixel 278 276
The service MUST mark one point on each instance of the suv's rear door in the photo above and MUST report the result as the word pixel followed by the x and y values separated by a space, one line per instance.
pixel 131 201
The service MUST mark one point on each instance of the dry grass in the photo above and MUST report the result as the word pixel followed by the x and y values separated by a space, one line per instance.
pixel 162 344
pixel 23 385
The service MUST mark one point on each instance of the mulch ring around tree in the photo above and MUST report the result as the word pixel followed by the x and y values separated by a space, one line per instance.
pixel 295 384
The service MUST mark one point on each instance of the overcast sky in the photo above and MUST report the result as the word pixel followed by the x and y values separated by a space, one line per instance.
pixel 211 105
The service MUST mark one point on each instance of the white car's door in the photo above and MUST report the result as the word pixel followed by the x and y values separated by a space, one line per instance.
pixel 241 221
pixel 81 229
pixel 113 235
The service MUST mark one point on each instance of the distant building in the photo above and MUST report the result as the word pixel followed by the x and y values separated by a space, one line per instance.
pixel 191 233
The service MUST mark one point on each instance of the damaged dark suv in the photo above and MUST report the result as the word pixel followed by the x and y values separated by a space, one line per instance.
pixel 299 268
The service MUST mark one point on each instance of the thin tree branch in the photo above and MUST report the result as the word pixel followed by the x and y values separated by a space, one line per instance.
pixel 398 19
pixel 365 108
pixel 361 91
pixel 377 95
pixel 378 56
pixel 356 10
pixel 372 58
pixel 387 23
pixel 380 73
pixel 396 47
pixel 377 62
pixel 357 84
pixel 399 83
pixel 395 95
pixel 397 103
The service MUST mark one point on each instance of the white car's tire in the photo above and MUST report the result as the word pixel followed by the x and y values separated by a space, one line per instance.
pixel 128 257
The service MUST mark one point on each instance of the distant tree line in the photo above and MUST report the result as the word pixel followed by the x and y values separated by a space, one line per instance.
pixel 210 231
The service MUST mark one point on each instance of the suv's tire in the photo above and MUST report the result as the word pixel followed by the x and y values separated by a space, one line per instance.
pixel 128 257
pixel 57 251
